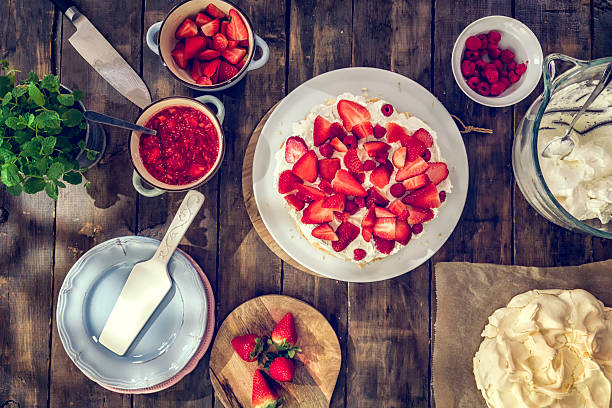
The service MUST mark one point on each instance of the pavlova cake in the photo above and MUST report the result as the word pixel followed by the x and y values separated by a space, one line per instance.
pixel 360 179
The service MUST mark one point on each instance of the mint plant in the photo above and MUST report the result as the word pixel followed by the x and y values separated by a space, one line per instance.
pixel 42 130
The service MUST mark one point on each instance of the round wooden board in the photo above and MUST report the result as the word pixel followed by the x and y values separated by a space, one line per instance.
pixel 316 367
pixel 249 197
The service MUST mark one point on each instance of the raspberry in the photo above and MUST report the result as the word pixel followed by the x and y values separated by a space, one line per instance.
pixel 493 51
pixel 480 64
pixel 483 41
pixel 427 155
pixel 369 165
pixel 506 82
pixel 359 254
pixel 483 88
pixel 472 55
pixel 386 109
pixel 467 68
pixel 417 228
pixel 513 77
pixel 497 88
pixel 492 76
pixel 494 37
pixel 490 67
pixel 379 131
pixel 482 53
pixel 472 43
pixel 336 130
pixel 473 82
pixel 381 158
pixel 442 196
pixel 384 245
pixel 507 56
pixel 498 64
pixel 326 150
pixel 350 141
pixel 360 177
pixel 326 187
pixel 360 201
pixel 511 66
pixel 504 73
pixel 520 69
pixel 397 190
pixel 350 207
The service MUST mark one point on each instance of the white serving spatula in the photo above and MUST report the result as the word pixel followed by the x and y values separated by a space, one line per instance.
pixel 148 283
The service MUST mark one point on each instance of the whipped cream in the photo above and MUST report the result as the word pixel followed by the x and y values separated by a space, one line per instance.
pixel 547 348
pixel 304 128
pixel 582 181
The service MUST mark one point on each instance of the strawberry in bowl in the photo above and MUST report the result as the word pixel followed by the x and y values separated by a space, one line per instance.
pixel 207 45
pixel 360 179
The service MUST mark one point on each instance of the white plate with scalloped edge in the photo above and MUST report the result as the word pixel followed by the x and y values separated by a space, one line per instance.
pixel 405 95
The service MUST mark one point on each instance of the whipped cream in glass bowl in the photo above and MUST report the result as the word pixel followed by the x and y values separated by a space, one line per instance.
pixel 576 192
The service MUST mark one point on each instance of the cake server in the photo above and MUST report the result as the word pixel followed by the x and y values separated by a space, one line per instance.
pixel 101 55
pixel 148 283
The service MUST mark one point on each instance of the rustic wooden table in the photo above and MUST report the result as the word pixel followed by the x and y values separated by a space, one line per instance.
pixel 384 328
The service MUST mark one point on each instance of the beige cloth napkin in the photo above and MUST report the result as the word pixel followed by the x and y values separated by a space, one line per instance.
pixel 467 294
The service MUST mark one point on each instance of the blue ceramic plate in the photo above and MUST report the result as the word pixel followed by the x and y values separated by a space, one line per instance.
pixel 167 342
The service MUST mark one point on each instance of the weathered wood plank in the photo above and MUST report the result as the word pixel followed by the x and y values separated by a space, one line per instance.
pixel 86 217
pixel 246 267
pixel 399 307
pixel 27 232
pixel 602 24
pixel 320 41
pixel 560 27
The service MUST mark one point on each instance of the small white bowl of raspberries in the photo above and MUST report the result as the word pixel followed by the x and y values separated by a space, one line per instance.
pixel 497 61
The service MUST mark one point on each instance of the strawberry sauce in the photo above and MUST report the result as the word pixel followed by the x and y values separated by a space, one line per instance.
pixel 185 148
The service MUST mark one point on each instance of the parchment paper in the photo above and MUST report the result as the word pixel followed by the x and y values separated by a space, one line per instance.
pixel 467 294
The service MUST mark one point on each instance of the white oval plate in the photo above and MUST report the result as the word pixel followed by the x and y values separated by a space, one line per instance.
pixel 405 95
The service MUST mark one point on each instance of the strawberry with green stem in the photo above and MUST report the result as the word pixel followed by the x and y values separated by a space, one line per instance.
pixel 263 396
pixel 249 346
pixel 284 336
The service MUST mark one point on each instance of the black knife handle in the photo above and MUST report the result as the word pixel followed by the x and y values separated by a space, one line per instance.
pixel 63 4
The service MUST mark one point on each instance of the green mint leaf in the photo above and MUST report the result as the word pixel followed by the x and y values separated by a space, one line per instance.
pixel 32 77
pixel 5 84
pixel 4 64
pixel 78 95
pixel 9 174
pixel 50 83
pixel 65 99
pixel 33 185
pixel 14 190
pixel 51 190
pixel 42 165
pixel 81 144
pixel 32 148
pixel 19 91
pixel 83 125
pixel 6 155
pixel 55 171
pixel 15 123
pixel 22 136
pixel 72 117
pixel 35 94
pixel 29 118
pixel 92 154
pixel 48 143
pixel 59 184
pixel 7 98
pixel 48 120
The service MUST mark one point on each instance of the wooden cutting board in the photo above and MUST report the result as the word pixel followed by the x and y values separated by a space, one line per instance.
pixel 316 368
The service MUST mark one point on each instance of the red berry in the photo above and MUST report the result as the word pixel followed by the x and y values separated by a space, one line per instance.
pixel 350 141
pixel 480 65
pixel 381 158
pixel 417 228
pixel 473 82
pixel 350 207
pixel 379 131
pixel 498 64
pixel 497 88
pixel 359 254
pixel 513 77
pixel 520 69
pixel 397 190
pixel 467 68
pixel 504 73
pixel 507 56
pixel 506 82
pixel 511 66
pixel 483 88
pixel 492 76
pixel 483 41
pixel 493 51
pixel 472 43
pixel 327 150
pixel 472 55
pixel 360 201
pixel 490 67
pixel 369 165
pixel 387 109
pixel 442 196
pixel 482 53
pixel 494 37
pixel 427 155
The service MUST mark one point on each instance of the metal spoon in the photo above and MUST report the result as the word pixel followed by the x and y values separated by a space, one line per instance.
pixel 112 121
pixel 560 147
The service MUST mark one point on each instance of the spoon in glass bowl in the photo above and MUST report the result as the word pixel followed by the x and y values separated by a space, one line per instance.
pixel 112 121
pixel 560 147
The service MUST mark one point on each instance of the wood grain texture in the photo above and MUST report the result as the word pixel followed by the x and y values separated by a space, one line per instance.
pixel 601 43
pixel 86 217
pixel 317 366
pixel 26 233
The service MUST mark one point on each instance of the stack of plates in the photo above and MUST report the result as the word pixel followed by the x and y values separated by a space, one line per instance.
pixel 169 346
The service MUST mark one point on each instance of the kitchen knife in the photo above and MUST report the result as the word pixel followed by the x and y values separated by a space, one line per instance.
pixel 98 52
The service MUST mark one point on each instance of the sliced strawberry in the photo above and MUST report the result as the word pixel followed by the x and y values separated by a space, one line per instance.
pixel 223 29
pixel 287 182
pixel 226 71
pixel 342 216
pixel 426 197
pixel 415 147
pixel 363 130
pixel 233 55
pixel 380 177
pixel 346 184
pixel 295 147
pixel 360 177
pixel 352 162
pixel 424 136
pixel 419 215
pixel 384 246
pixel 219 42
pixel 338 145
pixel 396 133
pixel 202 19
pixel 416 182
pixel 241 63
pixel 211 28
pixel 326 187
pixel 320 133
pixel 208 55
pixel 295 202
pixel 194 45
pixel 375 198
pixel 187 29
pixel 214 11
pixel 411 169
pixel 306 167
pixel 398 208
pixel 237 30
pixel 370 218
pixel 383 213
pixel 196 70
pixel 347 233
pixel 304 197
pixel 316 214
pixel 335 202
pixel 210 69
pixel 328 168
pixel 366 233
pixel 233 44
pixel 179 58
pixel 309 191
pixel 399 157
pixel 373 148
pixel 437 172
pixel 385 228
pixel 403 233
pixel 204 80
pixel 180 45
pixel 324 231
pixel 352 113
pixel 244 43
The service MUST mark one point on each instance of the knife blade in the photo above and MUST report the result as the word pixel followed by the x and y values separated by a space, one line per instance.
pixel 101 55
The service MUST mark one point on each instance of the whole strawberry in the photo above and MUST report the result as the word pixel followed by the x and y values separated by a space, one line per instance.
pixel 263 396
pixel 284 335
pixel 282 369
pixel 248 346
